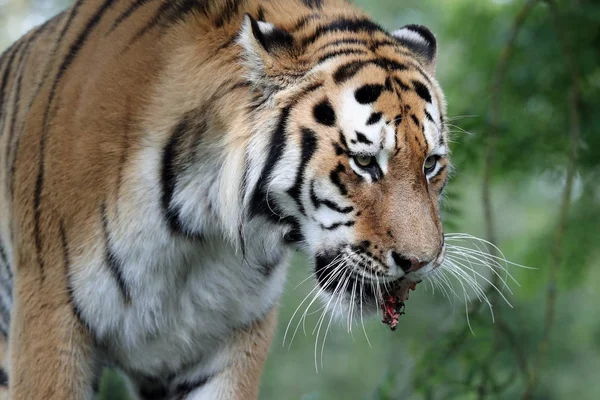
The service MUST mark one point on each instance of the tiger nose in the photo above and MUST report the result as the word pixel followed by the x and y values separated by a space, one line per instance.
pixel 408 264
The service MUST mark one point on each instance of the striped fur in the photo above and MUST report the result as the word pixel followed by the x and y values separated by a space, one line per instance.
pixel 161 158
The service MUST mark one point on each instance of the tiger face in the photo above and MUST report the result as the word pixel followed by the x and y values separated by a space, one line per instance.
pixel 358 158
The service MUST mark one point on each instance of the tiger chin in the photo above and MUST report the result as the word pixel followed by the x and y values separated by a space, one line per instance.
pixel 160 159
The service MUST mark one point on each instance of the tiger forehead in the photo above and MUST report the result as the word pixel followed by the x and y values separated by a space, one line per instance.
pixel 392 97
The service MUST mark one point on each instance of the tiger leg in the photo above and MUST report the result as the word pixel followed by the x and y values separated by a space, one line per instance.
pixel 240 380
pixel 51 351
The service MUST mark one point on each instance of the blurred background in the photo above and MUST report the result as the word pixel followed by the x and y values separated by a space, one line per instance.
pixel 522 81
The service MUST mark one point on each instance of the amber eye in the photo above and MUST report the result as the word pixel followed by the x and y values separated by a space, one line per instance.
pixel 430 164
pixel 364 161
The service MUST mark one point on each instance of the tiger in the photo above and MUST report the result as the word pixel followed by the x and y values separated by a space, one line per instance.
pixel 160 160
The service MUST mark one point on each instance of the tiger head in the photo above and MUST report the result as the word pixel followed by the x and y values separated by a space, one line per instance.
pixel 358 154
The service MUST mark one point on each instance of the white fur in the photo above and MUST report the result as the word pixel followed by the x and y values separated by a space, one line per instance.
pixel 410 36
pixel 187 297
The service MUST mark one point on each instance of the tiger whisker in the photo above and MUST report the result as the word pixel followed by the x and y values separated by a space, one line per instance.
pixel 362 322
pixel 300 305
pixel 340 295
pixel 322 318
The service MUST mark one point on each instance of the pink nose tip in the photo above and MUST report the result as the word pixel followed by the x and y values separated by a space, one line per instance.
pixel 408 264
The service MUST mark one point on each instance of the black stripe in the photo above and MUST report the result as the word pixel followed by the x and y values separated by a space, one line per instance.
pixel 337 53
pixel 3 378
pixel 317 202
pixel 68 60
pixel 392 43
pixel 343 42
pixel 442 169
pixel 3 330
pixel 185 388
pixel 6 262
pixel 403 86
pixel 70 291
pixel 258 203
pixel 415 120
pixel 314 4
pixel 374 118
pixel 74 12
pixel 343 140
pixel 343 25
pixel 347 71
pixel 422 91
pixel 165 9
pixel 154 391
pixel 428 116
pixel 390 65
pixel 14 149
pixel 368 94
pixel 398 120
pixel 303 21
pixel 324 113
pixel 309 147
pixel 334 176
pixel 362 138
pixel 4 84
pixel 309 89
pixel 229 42
pixel 260 15
pixel 337 225
pixel 230 10
pixel 338 149
pixel 127 13
pixel 4 55
pixel 3 256
pixel 111 260
pixel 174 158
pixel 15 110
pixel 170 12
pixel 10 146
pixel 274 39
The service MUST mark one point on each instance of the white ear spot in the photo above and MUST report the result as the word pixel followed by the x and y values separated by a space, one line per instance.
pixel 410 36
pixel 421 42
pixel 265 27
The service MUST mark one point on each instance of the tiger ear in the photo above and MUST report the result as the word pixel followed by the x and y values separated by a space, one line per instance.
pixel 421 42
pixel 264 48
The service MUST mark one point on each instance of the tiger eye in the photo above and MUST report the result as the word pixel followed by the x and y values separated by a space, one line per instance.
pixel 363 161
pixel 430 163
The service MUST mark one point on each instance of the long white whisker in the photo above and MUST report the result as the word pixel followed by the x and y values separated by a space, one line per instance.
pixel 338 270
pixel 322 318
pixel 459 273
pixel 466 258
pixel 459 264
pixel 362 322
pixel 466 237
pixel 300 305
pixel 335 270
pixel 340 295
pixel 466 300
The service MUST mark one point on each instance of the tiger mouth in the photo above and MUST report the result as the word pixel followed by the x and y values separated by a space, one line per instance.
pixel 335 277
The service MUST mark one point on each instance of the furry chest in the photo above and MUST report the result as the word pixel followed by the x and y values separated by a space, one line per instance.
pixel 179 313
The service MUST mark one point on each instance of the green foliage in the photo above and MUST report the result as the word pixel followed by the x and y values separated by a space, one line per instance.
pixel 434 355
